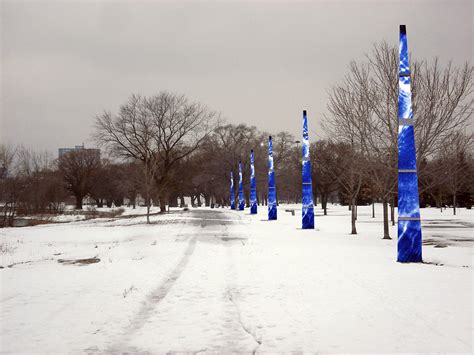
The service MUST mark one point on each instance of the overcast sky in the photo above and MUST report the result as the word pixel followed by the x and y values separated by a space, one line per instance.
pixel 259 63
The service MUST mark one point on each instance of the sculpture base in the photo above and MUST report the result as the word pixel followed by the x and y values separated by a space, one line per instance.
pixel 253 209
pixel 409 242
pixel 308 218
pixel 272 213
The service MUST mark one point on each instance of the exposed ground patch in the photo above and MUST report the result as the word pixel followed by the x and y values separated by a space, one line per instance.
pixel 79 262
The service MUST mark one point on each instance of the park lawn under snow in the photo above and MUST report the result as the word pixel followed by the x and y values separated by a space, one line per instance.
pixel 73 215
pixel 221 280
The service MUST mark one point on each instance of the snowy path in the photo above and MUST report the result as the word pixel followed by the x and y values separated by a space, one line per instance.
pixel 198 312
pixel 225 281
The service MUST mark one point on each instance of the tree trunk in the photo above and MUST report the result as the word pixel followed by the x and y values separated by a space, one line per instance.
pixel 148 212
pixel 353 217
pixel 199 200
pixel 386 233
pixel 162 204
pixel 79 202
pixel 392 211
pixel 173 201
pixel 373 209
pixel 11 217
pixel 355 207
pixel 324 204
pixel 454 204
pixel 392 214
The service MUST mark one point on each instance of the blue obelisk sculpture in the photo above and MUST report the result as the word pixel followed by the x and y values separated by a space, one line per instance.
pixel 272 206
pixel 241 189
pixel 307 196
pixel 253 187
pixel 409 224
pixel 232 193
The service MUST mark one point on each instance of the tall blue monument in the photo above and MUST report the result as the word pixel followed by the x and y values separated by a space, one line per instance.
pixel 253 187
pixel 232 193
pixel 272 206
pixel 307 195
pixel 409 223
pixel 241 189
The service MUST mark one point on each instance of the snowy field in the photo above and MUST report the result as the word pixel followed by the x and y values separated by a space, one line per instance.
pixel 215 280
pixel 72 215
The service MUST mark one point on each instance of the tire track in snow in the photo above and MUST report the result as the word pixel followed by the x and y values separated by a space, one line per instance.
pixel 153 299
pixel 237 326
pixel 247 329
pixel 149 306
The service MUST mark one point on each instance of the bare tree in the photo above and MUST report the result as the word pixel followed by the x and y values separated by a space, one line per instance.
pixel 8 186
pixel 159 131
pixel 150 166
pixel 221 153
pixel 456 156
pixel 323 162
pixel 79 170
pixel 442 102
pixel 348 123
pixel 7 156
pixel 37 172
pixel 287 164
pixel 349 173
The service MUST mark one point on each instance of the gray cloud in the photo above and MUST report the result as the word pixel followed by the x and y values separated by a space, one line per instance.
pixel 259 63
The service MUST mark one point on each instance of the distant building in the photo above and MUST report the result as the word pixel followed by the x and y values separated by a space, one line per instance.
pixel 62 151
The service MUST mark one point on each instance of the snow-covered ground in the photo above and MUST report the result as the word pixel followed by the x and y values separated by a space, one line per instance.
pixel 73 215
pixel 130 211
pixel 216 280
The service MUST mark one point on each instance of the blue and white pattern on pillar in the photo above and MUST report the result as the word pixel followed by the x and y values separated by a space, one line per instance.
pixel 232 193
pixel 253 186
pixel 241 189
pixel 409 223
pixel 272 207
pixel 307 196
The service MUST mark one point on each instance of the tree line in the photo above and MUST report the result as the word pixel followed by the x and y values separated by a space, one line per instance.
pixel 166 147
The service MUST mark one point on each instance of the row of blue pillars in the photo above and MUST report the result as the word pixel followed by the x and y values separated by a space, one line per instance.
pixel 272 210
pixel 409 221
pixel 307 196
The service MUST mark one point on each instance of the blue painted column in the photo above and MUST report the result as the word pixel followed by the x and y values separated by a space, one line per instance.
pixel 409 223
pixel 272 206
pixel 232 193
pixel 253 187
pixel 241 189
pixel 307 196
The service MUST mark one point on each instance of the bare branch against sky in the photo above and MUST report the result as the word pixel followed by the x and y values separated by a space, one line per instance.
pixel 261 63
